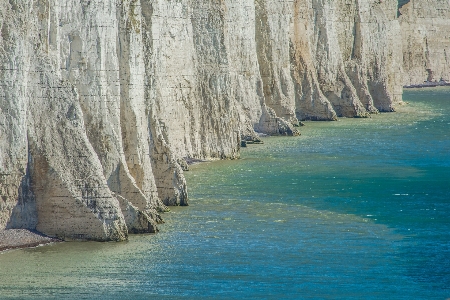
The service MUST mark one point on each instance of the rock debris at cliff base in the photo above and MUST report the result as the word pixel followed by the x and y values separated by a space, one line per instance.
pixel 22 238
pixel 102 101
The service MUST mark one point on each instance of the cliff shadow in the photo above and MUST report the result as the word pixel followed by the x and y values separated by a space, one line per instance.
pixel 24 213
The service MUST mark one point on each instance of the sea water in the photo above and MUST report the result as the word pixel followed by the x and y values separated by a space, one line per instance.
pixel 354 209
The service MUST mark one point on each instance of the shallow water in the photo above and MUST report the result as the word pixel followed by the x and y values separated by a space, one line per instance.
pixel 355 209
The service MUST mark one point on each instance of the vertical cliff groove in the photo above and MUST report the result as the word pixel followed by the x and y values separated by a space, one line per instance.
pixel 72 197
pixel 272 37
pixel 13 141
pixel 240 44
pixel 426 41
pixel 310 102
pixel 219 114
pixel 133 108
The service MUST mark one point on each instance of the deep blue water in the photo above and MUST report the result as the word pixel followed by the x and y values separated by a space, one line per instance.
pixel 354 209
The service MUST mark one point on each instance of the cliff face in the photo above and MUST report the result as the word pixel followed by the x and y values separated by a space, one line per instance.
pixel 355 54
pixel 102 101
pixel 426 41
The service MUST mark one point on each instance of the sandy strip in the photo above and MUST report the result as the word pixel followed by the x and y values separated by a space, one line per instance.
pixel 23 238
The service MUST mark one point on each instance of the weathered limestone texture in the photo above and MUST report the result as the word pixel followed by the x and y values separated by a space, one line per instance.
pixel 14 58
pixel 72 180
pixel 354 53
pixel 310 102
pixel 321 59
pixel 425 28
pixel 272 37
pixel 102 102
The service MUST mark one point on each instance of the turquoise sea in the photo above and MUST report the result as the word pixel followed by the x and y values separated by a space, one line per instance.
pixel 354 209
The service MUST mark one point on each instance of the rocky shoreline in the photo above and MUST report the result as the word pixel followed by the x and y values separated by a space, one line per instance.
pixel 427 84
pixel 22 238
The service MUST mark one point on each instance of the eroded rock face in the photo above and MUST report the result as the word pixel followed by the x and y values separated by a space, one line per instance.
pixel 354 54
pixel 75 183
pixel 102 101
pixel 426 41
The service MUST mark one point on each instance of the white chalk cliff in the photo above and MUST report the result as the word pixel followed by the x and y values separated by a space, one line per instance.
pixel 102 102
pixel 425 28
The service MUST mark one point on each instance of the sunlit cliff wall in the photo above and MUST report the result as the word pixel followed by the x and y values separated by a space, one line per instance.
pixel 425 28
pixel 102 102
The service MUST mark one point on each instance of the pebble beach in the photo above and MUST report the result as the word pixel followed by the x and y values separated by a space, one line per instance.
pixel 23 238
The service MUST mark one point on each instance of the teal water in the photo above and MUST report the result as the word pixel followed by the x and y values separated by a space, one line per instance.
pixel 355 209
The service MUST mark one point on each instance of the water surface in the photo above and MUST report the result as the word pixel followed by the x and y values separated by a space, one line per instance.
pixel 355 209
